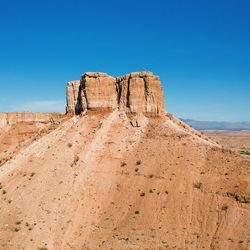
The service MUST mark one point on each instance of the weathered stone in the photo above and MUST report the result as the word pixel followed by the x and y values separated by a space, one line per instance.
pixel 37 117
pixel 98 91
pixel 139 92
pixel 72 96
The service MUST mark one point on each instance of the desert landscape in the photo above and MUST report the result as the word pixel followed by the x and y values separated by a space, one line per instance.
pixel 118 171
pixel 236 140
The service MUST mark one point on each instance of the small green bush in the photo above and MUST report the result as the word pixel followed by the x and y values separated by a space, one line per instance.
pixel 245 153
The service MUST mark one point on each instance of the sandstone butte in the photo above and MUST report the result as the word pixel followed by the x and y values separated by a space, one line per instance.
pixel 118 172
pixel 139 92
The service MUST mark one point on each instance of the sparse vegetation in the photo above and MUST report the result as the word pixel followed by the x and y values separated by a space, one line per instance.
pixel 138 162
pixel 142 194
pixel 76 159
pixel 70 145
pixel 4 191
pixel 151 176
pixel 197 185
pixel 137 212
pixel 224 207
pixel 18 222
pixel 244 152
pixel 123 164
pixel 32 174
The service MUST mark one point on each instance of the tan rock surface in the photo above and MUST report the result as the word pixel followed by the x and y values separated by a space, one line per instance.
pixel 18 130
pixel 72 91
pixel 139 92
pixel 98 92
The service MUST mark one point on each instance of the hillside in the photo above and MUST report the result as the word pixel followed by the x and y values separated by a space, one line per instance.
pixel 116 179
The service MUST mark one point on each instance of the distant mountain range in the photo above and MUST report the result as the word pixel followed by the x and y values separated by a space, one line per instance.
pixel 213 125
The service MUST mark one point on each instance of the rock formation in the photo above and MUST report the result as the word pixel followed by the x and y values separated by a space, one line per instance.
pixel 97 91
pixel 72 95
pixel 28 117
pixel 139 92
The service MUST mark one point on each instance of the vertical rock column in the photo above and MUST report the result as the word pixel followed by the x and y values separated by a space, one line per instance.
pixel 72 91
pixel 98 91
pixel 140 92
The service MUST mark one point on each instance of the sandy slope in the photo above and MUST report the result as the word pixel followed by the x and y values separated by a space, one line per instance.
pixel 97 182
pixel 18 130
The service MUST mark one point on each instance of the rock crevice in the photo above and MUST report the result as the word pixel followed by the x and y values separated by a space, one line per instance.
pixel 139 92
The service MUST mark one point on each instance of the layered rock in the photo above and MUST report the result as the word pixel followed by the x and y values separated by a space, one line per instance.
pixel 97 92
pixel 28 117
pixel 139 92
pixel 72 91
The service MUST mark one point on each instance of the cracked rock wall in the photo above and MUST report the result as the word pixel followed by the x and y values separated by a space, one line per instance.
pixel 72 91
pixel 139 92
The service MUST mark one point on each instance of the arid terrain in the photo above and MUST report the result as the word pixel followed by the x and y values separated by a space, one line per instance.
pixel 113 178
pixel 236 140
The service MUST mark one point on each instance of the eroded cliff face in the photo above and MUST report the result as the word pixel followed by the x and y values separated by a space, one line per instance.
pixel 97 92
pixel 72 91
pixel 12 118
pixel 139 92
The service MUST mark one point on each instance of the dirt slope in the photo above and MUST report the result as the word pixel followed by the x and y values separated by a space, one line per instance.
pixel 101 181
pixel 18 130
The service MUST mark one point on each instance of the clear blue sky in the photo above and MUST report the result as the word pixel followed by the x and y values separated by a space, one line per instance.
pixel 199 48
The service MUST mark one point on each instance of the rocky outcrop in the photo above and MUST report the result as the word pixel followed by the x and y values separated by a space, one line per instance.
pixel 16 117
pixel 97 92
pixel 72 91
pixel 139 92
